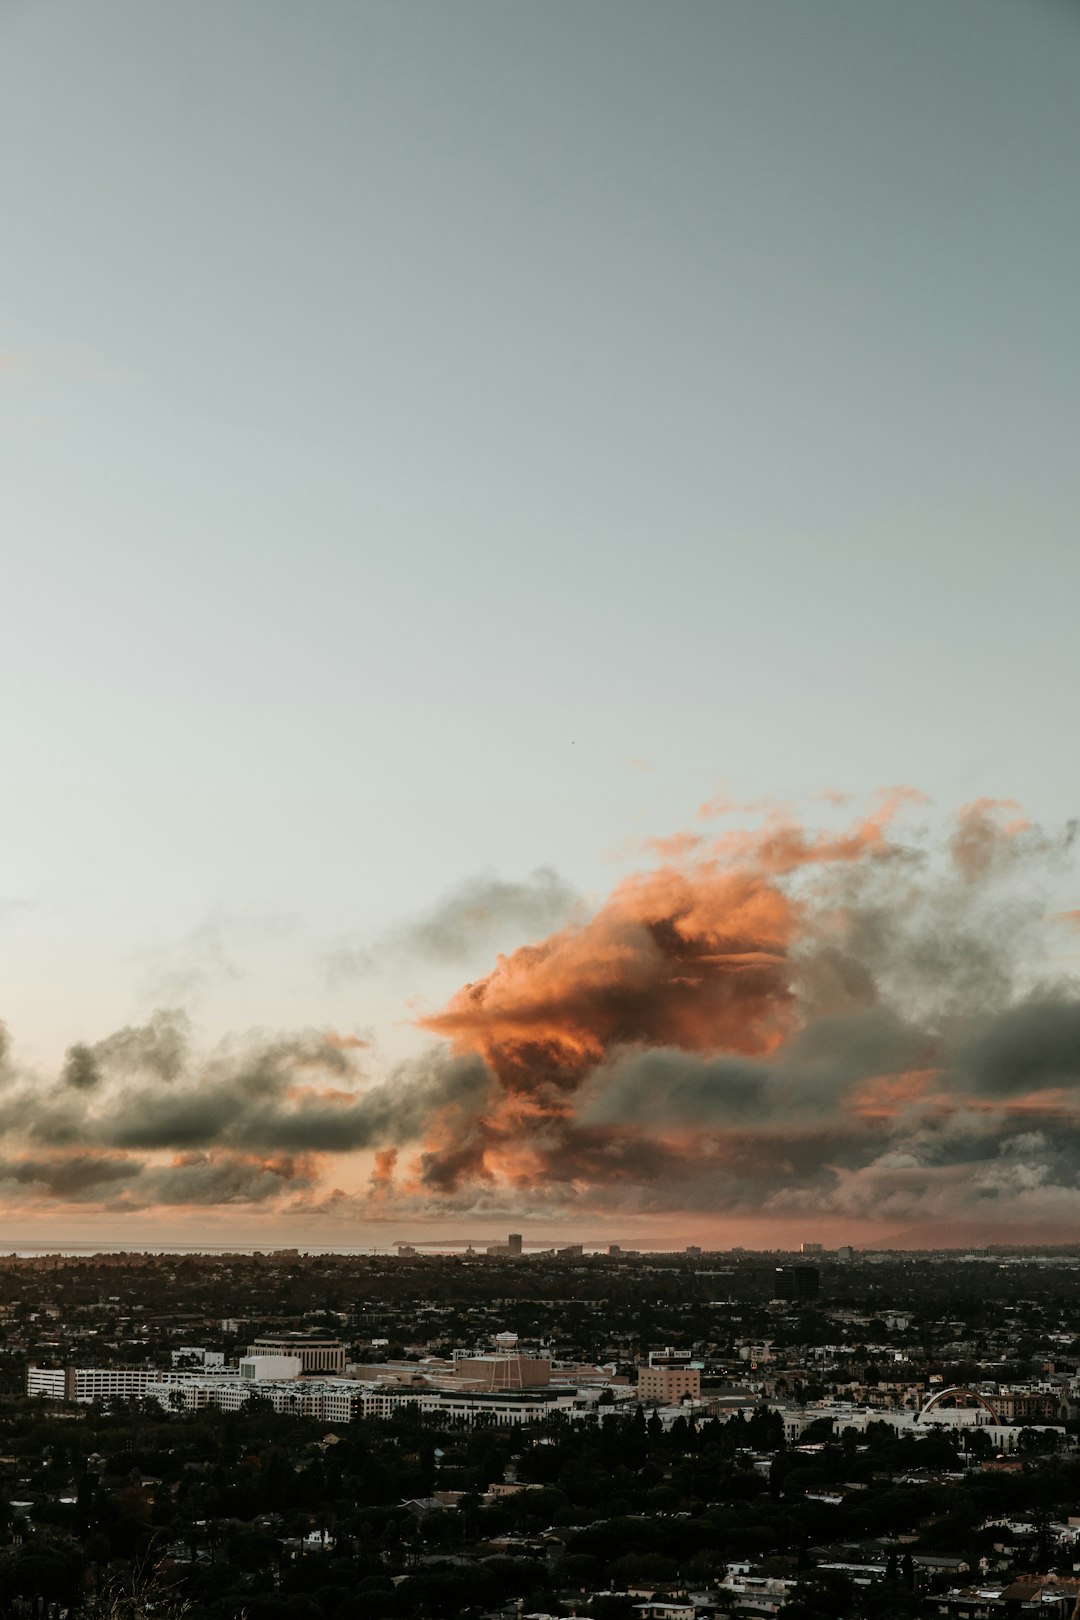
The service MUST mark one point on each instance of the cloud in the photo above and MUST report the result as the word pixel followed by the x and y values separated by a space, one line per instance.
pixel 796 1015
pixel 275 1098
pixel 185 972
pixel 1032 1046
pixel 992 833
pixel 158 1047
pixel 122 1183
pixel 210 1180
pixel 76 1177
pixel 675 847
pixel 81 1070
pixel 479 911
pixel 782 1021
pixel 485 905
pixel 6 1068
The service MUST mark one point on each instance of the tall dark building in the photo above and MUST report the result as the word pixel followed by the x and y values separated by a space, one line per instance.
pixel 513 1243
pixel 797 1282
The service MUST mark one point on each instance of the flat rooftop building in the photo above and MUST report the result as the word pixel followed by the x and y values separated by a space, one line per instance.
pixel 668 1383
pixel 316 1355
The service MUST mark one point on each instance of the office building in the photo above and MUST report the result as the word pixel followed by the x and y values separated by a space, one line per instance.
pixel 797 1283
pixel 668 1382
pixel 316 1355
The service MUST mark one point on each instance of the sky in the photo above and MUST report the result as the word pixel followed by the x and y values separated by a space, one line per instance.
pixel 443 448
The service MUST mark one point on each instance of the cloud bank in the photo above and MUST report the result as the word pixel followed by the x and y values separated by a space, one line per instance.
pixel 774 1023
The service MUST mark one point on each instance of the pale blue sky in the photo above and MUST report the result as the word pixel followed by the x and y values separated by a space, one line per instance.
pixel 413 414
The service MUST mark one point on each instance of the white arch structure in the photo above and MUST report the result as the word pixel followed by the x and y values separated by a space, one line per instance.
pixel 951 1394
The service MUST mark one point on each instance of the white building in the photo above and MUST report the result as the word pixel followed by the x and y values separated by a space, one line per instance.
pixel 263 1367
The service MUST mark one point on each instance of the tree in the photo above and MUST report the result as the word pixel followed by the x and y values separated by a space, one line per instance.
pixel 824 1594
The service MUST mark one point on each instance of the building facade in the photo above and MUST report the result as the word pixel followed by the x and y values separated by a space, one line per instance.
pixel 316 1355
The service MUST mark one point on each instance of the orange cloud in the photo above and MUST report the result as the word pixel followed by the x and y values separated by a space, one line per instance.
pixel 674 847
pixel 982 836
pixel 884 1096
pixel 720 805
pixel 382 1176
pixel 686 958
pixel 694 958
pixel 782 845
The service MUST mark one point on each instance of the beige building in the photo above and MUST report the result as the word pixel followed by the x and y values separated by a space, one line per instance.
pixel 502 1371
pixel 1025 1406
pixel 316 1355
pixel 669 1384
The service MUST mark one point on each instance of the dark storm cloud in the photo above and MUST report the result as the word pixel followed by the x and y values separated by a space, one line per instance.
pixel 124 1183
pixel 1030 1047
pixel 80 1071
pixel 667 1087
pixel 203 1179
pixel 295 1095
pixel 866 1070
pixel 233 1111
pixel 78 1177
pixel 813 1075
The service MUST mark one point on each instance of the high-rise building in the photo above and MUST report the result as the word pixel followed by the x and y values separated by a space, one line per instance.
pixel 797 1282
pixel 513 1243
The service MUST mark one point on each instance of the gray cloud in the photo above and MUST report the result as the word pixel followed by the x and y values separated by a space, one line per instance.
pixel 1030 1047
pixel 81 1070
pixel 127 1184
pixel 814 1074
pixel 80 1177
pixel 183 973
pixel 298 1095
pixel 485 905
pixel 200 1178
pixel 158 1047
pixel 480 911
